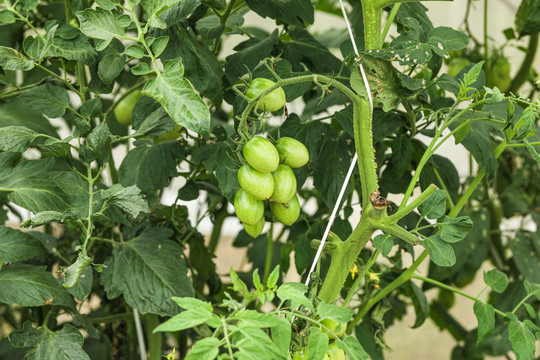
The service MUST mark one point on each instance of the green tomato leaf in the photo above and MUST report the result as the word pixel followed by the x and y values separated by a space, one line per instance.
pixel 522 339
pixel 204 349
pixel 69 48
pixel 196 312
pixel 384 243
pixel 353 348
pixel 28 285
pixel 16 138
pixel 16 245
pixel 65 344
pixel 383 81
pixel 149 270
pixel 532 288
pixel 435 205
pixel 100 24
pixel 451 39
pixel 176 94
pixel 154 7
pixel 110 66
pixel 317 343
pixel 527 20
pixel 30 184
pixel 532 151
pixel 219 157
pixel 334 312
pixel 135 51
pixel 158 160
pixel 48 99
pixel 202 67
pixel 402 152
pixel 335 158
pixel 295 293
pixel 12 60
pixel 248 55
pixel 525 249
pixel 293 12
pixel 472 75
pixel 496 280
pixel 485 314
pixel 129 199
pixel 453 230
pixel 99 140
pixel 17 113
pixel 441 253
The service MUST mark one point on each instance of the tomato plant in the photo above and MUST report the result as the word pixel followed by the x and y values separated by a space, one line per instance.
pixel 348 176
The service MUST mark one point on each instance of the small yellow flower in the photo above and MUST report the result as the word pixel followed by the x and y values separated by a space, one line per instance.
pixel 171 356
pixel 374 277
pixel 354 270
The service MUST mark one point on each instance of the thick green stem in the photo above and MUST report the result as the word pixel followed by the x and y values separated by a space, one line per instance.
pixel 343 259
pixel 216 230
pixel 269 252
pixel 155 340
pixel 525 68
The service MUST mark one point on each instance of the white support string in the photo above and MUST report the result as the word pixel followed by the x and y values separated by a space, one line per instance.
pixel 355 157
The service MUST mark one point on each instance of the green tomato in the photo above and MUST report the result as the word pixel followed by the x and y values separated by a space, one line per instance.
pixel 255 230
pixel 170 135
pixel 286 213
pixel 284 184
pixel 258 184
pixel 300 355
pixel 124 108
pixel 248 210
pixel 261 154
pixel 334 353
pixel 273 101
pixel 292 152
pixel 333 328
pixel 500 74
pixel 456 65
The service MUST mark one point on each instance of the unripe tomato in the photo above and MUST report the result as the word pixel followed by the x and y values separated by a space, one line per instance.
pixel 255 230
pixel 286 213
pixel 500 74
pixel 261 154
pixel 334 328
pixel 258 184
pixel 170 135
pixel 300 355
pixel 456 65
pixel 248 210
pixel 270 102
pixel 124 108
pixel 284 184
pixel 292 152
pixel 334 353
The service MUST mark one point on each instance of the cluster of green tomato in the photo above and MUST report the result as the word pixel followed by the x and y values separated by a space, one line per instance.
pixel 334 330
pixel 267 175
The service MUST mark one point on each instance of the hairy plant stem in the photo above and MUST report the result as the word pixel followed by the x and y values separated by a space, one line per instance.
pixel 525 68
pixel 343 259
